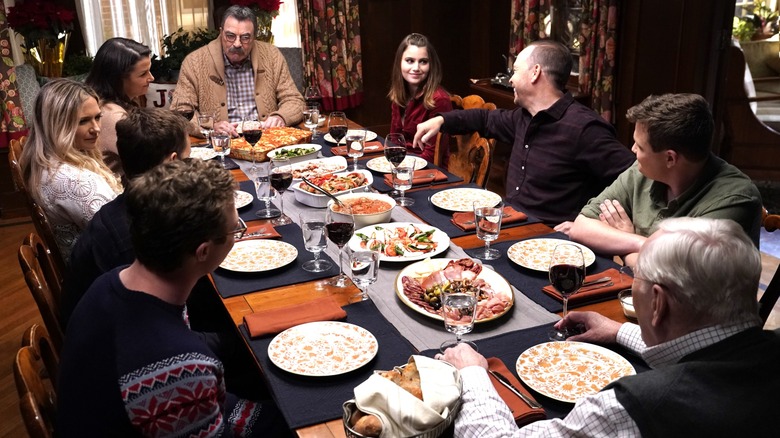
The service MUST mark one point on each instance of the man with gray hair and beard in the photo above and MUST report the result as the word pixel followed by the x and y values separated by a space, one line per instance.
pixel 712 364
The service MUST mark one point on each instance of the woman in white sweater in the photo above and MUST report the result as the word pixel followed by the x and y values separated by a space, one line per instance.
pixel 61 163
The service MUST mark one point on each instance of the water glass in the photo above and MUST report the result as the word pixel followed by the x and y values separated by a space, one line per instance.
pixel 402 181
pixel 221 142
pixel 265 192
pixel 364 266
pixel 458 311
pixel 314 240
pixel 311 119
pixel 488 223
pixel 356 141
pixel 206 123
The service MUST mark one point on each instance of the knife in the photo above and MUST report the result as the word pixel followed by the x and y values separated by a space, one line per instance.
pixel 504 381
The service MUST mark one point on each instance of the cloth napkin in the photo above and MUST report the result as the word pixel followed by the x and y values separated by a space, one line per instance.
pixel 277 320
pixel 465 220
pixel 264 231
pixel 523 413
pixel 371 147
pixel 403 414
pixel 596 291
pixel 420 177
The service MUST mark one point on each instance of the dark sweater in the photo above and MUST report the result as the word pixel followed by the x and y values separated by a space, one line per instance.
pixel 727 389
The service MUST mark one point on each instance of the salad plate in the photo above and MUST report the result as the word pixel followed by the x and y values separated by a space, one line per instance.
pixel 400 241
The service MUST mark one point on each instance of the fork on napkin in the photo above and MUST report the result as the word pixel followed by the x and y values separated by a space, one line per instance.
pixel 523 413
pixel 260 232
pixel 465 220
pixel 423 176
pixel 370 147
pixel 277 320
pixel 596 291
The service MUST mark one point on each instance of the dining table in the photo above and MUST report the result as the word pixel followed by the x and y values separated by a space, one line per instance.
pixel 311 405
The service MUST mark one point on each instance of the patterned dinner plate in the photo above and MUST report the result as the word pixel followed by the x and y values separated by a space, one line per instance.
pixel 463 199
pixel 381 165
pixel 259 256
pixel 370 135
pixel 568 371
pixel 243 199
pixel 322 348
pixel 202 153
pixel 536 253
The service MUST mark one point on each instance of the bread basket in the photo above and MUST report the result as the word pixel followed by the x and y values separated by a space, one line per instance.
pixel 350 407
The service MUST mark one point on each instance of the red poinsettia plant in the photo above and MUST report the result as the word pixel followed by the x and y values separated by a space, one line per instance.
pixel 37 20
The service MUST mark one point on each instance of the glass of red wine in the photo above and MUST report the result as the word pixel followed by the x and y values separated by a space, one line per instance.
pixel 567 273
pixel 339 228
pixel 252 130
pixel 313 97
pixel 395 152
pixel 337 126
pixel 186 110
pixel 281 178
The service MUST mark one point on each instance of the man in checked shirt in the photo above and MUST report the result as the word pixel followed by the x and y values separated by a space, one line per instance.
pixel 695 296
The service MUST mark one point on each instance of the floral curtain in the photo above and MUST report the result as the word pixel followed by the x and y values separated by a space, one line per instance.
pixel 598 38
pixel 330 37
pixel 527 23
pixel 12 124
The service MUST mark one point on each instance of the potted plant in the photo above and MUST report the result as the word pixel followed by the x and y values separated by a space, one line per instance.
pixel 176 47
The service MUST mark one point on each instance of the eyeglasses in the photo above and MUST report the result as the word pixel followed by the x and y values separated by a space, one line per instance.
pixel 231 37
pixel 238 233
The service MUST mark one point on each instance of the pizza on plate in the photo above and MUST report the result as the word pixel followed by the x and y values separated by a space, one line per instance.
pixel 272 138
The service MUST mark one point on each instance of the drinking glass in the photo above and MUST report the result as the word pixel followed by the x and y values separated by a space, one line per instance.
pixel 402 181
pixel 488 223
pixel 311 119
pixel 458 310
pixel 337 126
pixel 252 131
pixel 567 272
pixel 356 141
pixel 395 149
pixel 221 142
pixel 313 97
pixel 314 240
pixel 206 124
pixel 339 228
pixel 265 192
pixel 281 178
pixel 364 265
pixel 186 110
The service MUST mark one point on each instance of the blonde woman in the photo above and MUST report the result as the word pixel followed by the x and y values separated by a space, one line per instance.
pixel 61 162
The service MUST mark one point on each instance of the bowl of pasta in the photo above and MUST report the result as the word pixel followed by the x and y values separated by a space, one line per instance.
pixel 367 208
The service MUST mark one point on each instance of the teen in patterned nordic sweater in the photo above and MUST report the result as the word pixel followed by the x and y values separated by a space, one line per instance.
pixel 130 364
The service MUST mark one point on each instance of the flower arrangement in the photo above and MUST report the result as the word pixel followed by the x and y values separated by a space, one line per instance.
pixel 266 11
pixel 40 20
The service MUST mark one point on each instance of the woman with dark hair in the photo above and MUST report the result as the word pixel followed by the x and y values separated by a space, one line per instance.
pixel 120 75
pixel 416 93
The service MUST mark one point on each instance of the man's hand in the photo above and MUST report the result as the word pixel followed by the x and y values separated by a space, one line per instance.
pixel 613 214
pixel 462 356
pixel 426 132
pixel 272 122
pixel 564 227
pixel 227 127
pixel 594 326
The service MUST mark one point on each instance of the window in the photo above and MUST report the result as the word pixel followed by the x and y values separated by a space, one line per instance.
pixel 563 24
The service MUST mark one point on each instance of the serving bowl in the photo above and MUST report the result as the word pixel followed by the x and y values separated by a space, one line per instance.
pixel 318 200
pixel 297 158
pixel 366 219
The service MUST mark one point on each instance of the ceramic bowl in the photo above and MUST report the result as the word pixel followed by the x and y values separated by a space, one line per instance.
pixel 297 158
pixel 363 220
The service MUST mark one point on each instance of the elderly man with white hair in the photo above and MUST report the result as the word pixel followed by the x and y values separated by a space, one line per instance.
pixel 713 367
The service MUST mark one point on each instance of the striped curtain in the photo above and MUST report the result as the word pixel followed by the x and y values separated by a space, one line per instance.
pixel 12 124
pixel 330 37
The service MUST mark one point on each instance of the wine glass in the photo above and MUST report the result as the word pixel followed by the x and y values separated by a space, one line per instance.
pixel 395 152
pixel 356 140
pixel 206 124
pixel 488 222
pixel 252 131
pixel 221 142
pixel 265 192
pixel 313 97
pixel 567 272
pixel 314 240
pixel 311 119
pixel 339 228
pixel 281 178
pixel 458 310
pixel 337 126
pixel 364 265
pixel 186 110
pixel 402 181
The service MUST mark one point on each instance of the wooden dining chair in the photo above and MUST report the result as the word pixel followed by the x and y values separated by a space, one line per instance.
pixel 470 155
pixel 770 222
pixel 38 338
pixel 37 392
pixel 46 297
pixel 51 270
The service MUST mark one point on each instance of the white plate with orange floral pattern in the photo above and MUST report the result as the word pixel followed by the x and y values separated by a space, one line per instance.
pixel 322 348
pixel 243 198
pixel 202 153
pixel 462 199
pixel 536 253
pixel 259 256
pixel 568 371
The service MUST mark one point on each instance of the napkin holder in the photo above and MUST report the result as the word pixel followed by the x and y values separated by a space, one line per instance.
pixel 350 408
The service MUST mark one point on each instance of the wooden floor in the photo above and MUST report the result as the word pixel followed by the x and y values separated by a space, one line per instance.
pixel 18 311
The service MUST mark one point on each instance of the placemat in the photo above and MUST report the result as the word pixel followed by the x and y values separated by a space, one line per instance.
pixel 309 400
pixel 231 283
pixel 380 185
pixel 509 346
pixel 442 219
pixel 531 282
pixel 247 212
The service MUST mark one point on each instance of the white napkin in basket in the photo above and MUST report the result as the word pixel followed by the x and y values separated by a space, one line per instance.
pixel 403 414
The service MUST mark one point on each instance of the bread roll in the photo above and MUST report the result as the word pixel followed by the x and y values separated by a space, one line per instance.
pixel 368 425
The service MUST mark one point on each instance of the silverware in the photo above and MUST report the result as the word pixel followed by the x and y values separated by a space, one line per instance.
pixel 321 190
pixel 504 381
pixel 597 281
pixel 596 286
pixel 256 234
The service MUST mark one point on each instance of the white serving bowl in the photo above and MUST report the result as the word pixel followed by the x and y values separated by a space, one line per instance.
pixel 299 158
pixel 364 220
pixel 318 200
